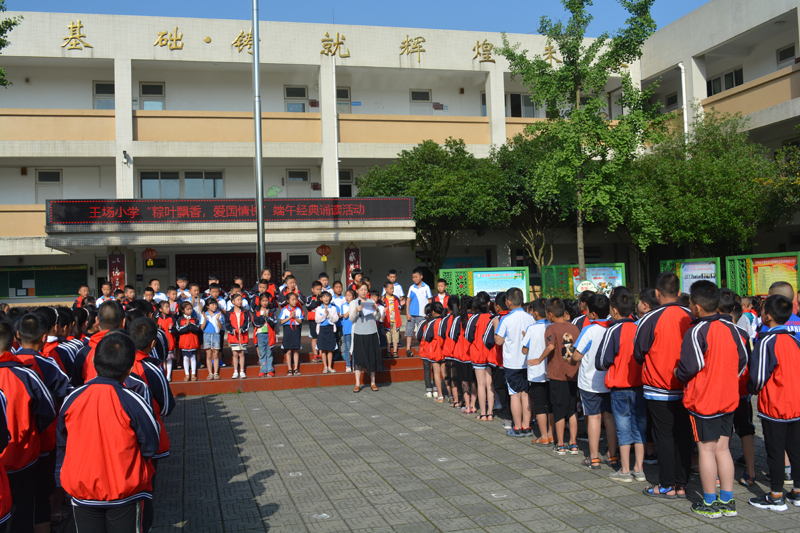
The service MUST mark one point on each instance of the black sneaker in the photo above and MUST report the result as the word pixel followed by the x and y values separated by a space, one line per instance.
pixel 792 497
pixel 727 508
pixel 767 501
pixel 709 511
pixel 650 459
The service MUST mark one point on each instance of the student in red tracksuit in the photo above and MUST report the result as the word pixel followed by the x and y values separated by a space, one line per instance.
pixel 466 374
pixel 657 347
pixel 774 374
pixel 423 353
pixel 448 350
pixel 107 436
pixel 32 332
pixel 51 347
pixel 109 317
pixel 5 488
pixel 166 323
pixel 83 293
pixel 480 335
pixel 713 356
pixel 31 410
pixel 436 348
pixel 624 379
pixel 186 328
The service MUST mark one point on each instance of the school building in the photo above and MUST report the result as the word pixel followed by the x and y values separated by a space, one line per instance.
pixel 123 136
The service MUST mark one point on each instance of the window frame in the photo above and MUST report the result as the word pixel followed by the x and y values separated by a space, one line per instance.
pixel 667 105
pixel 153 98
pixel 288 100
pixel 411 96
pixel 50 183
pixel 346 182
pixel 291 264
pixel 522 105
pixel 721 78
pixel 181 183
pixel 308 175
pixel 102 97
pixel 786 62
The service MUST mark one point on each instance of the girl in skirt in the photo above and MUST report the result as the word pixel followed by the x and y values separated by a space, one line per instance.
pixel 292 319
pixel 466 373
pixel 450 361
pixel 326 317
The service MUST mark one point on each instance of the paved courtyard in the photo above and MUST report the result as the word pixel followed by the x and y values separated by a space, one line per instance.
pixel 326 459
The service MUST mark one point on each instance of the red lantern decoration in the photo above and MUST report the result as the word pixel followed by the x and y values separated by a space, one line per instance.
pixel 324 250
pixel 148 255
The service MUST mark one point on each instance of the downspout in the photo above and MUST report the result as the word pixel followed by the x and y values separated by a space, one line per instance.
pixel 685 100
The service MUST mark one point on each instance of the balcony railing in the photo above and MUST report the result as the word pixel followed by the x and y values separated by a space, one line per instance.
pixel 406 129
pixel 22 220
pixel 223 126
pixel 56 125
pixel 761 93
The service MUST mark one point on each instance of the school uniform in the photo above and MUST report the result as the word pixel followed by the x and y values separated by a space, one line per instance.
pixel 5 488
pixel 83 369
pixel 418 297
pixel 774 374
pixel 398 290
pixel 340 302
pixel 311 303
pixel 466 373
pixel 238 328
pixel 111 434
pixel 187 328
pixel 325 324
pixel 292 327
pixel 743 415
pixel 159 297
pixel 435 352
pixel 213 325
pixel 480 335
pixel 60 355
pixel 264 324
pixel 392 319
pixel 160 398
pixel 595 395
pixel 103 299
pixel 165 326
pixel 657 347
pixel 538 389
pixel 443 299
pixel 78 303
pixel 581 321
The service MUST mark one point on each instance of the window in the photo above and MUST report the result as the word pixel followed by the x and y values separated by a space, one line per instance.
pixel 483 104
pixel 48 185
pixel 159 263
pixel 152 96
pixel 726 81
pixel 296 99
pixel 177 184
pixel 198 184
pixel 297 176
pixel 48 176
pixel 421 95
pixel 672 100
pixel 103 94
pixel 785 56
pixel 345 183
pixel 295 260
pixel 521 105
pixel 343 100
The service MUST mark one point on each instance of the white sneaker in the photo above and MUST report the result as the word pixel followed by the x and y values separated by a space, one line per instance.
pixel 242 375
pixel 429 395
pixel 235 375
pixel 619 476
pixel 435 394
pixel 639 476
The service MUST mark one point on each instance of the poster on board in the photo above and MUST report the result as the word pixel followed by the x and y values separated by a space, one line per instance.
pixel 604 278
pixel 497 281
pixel 768 270
pixel 696 271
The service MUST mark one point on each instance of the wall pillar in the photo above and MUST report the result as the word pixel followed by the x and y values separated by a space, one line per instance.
pixel 496 103
pixel 123 99
pixel 327 102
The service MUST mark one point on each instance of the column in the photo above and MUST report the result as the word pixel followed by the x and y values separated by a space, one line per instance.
pixel 123 99
pixel 327 104
pixel 695 84
pixel 496 103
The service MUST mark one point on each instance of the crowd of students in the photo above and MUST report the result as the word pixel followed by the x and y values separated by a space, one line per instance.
pixel 663 371
pixel 672 370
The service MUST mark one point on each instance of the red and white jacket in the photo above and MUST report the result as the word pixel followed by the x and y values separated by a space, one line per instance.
pixel 5 438
pixel 480 335
pixel 615 356
pixel 775 375
pixel 161 400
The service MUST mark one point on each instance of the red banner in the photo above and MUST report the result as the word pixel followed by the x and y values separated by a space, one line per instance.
pixel 116 271
pixel 352 261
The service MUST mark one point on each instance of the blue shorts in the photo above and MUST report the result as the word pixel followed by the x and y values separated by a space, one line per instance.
pixel 595 403
pixel 516 380
pixel 210 341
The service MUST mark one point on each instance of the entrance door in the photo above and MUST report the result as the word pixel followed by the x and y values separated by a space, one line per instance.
pixel 300 265
pixel 197 267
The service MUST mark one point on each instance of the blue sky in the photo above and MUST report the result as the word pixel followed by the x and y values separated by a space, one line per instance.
pixel 483 15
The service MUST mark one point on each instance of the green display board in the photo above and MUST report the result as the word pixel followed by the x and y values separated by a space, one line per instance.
pixel 561 280
pixel 41 281
pixel 751 275
pixel 470 281
pixel 691 270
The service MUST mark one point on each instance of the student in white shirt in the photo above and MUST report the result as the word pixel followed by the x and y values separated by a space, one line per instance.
pixel 534 343
pixel 398 289
pixel 158 296
pixel 509 333
pixel 419 295
pixel 595 396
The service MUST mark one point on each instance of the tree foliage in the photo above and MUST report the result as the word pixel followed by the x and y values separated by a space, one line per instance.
pixel 6 25
pixel 714 190
pixel 587 152
pixel 452 189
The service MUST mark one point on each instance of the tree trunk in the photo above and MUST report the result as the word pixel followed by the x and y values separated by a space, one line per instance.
pixel 581 250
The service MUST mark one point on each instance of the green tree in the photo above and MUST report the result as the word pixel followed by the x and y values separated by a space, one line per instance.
pixel 588 152
pixel 536 202
pixel 452 189
pixel 713 190
pixel 6 25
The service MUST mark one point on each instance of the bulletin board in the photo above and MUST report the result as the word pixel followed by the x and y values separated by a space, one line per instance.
pixel 469 282
pixel 751 275
pixel 691 270
pixel 39 281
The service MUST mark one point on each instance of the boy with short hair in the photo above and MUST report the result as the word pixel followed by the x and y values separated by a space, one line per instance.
pixel 595 396
pixel 583 301
pixel 83 293
pixel 119 295
pixel 713 357
pixel 657 347
pixel 392 319
pixel 441 292
pixel 106 468
pixel 149 295
pixel 774 375
pixel 172 298
pixel 156 285
pixel 534 343
pixel 419 295
pixel 624 379
pixel 108 293
pixel 559 337
pixel 391 276
pixel 130 295
pixel 324 281
pixel 183 292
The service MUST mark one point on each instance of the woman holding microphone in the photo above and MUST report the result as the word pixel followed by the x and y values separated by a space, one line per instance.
pixel 366 344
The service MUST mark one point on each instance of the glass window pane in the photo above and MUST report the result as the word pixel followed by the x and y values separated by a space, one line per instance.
pixel 295 92
pixel 150 185
pixel 738 76
pixel 343 94
pixel 170 185
pixel 153 105
pixel 104 104
pixel 297 175
pixel 709 89
pixel 717 84
pixel 786 54
pixel 218 193
pixel 153 89
pixel 345 190
pixel 528 109
pixel 420 96
pixel 516 105
pixel 295 107
pixel 103 88
pixel 193 185
pixel 346 175
pixel 51 176
pixel 729 81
